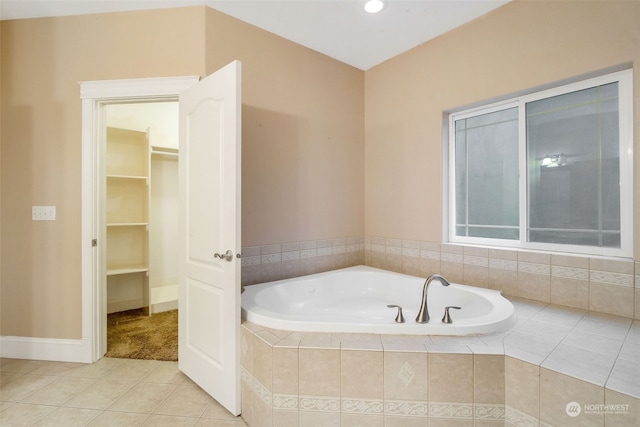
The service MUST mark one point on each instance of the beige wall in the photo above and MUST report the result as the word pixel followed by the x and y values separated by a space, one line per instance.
pixel 42 62
pixel 303 136
pixel 303 120
pixel 307 171
pixel 518 46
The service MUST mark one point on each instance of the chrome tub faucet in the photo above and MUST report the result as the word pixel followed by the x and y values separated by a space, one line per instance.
pixel 423 314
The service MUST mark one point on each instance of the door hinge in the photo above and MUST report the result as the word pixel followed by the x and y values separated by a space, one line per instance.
pixel 94 243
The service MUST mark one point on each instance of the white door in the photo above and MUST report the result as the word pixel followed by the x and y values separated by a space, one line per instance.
pixel 209 283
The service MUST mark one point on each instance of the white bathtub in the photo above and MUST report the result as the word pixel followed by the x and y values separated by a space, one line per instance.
pixel 355 300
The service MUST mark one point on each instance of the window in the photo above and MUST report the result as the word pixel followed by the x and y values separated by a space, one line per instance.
pixel 550 170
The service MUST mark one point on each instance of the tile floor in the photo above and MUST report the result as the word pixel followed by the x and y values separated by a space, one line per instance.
pixel 110 392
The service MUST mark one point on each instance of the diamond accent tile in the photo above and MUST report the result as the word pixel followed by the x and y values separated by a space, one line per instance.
pixel 406 374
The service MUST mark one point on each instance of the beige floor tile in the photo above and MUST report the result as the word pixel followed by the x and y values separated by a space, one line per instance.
pixel 99 369
pixel 120 419
pixel 203 422
pixel 217 411
pixel 59 391
pixel 100 395
pixel 133 370
pixel 5 405
pixel 169 421
pixel 56 368
pixel 143 398
pixel 165 373
pixel 74 394
pixel 5 377
pixel 186 401
pixel 68 417
pixel 21 387
pixel 20 365
pixel 22 414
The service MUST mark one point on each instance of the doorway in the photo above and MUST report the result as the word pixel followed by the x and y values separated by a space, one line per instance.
pixel 209 181
pixel 96 95
pixel 140 144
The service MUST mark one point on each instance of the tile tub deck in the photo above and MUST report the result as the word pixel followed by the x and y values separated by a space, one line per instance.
pixel 555 366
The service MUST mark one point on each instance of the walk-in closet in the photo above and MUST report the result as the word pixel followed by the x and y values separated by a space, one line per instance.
pixel 141 208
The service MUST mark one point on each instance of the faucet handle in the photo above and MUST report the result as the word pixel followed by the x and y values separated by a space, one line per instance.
pixel 447 317
pixel 399 317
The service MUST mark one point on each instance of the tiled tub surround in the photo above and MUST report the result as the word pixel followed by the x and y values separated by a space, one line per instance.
pixel 603 285
pixel 286 260
pixel 525 376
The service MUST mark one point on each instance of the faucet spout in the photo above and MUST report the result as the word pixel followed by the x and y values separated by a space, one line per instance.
pixel 423 314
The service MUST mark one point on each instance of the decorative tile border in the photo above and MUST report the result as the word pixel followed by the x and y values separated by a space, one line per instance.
pixel 285 401
pixel 533 268
pixel 406 408
pixel 451 257
pixel 477 261
pixel 262 392
pixel 319 403
pixel 503 264
pixel 462 411
pixel 430 254
pixel 485 411
pixel 570 273
pixel 373 406
pixel 362 406
pixel 608 278
pixel 246 377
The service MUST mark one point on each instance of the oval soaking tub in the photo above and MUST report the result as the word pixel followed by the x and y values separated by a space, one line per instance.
pixel 355 300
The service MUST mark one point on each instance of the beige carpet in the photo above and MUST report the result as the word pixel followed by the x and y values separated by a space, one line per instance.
pixel 133 334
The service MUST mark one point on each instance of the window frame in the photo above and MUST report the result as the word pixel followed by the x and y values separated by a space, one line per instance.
pixel 624 79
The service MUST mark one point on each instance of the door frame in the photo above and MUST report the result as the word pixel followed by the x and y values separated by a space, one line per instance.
pixel 95 95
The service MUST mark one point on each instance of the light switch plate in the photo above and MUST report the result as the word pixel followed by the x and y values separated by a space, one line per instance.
pixel 43 213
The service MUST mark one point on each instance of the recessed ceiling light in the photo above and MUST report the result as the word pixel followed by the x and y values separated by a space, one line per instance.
pixel 374 6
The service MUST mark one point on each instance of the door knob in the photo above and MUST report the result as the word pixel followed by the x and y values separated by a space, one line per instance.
pixel 226 256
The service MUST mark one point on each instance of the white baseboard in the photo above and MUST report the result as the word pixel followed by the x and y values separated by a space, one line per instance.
pixel 164 306
pixel 124 305
pixel 164 298
pixel 60 350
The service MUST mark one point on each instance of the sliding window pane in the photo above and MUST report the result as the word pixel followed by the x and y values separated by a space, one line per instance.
pixel 574 174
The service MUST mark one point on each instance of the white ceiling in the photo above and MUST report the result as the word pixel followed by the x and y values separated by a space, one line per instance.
pixel 340 29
